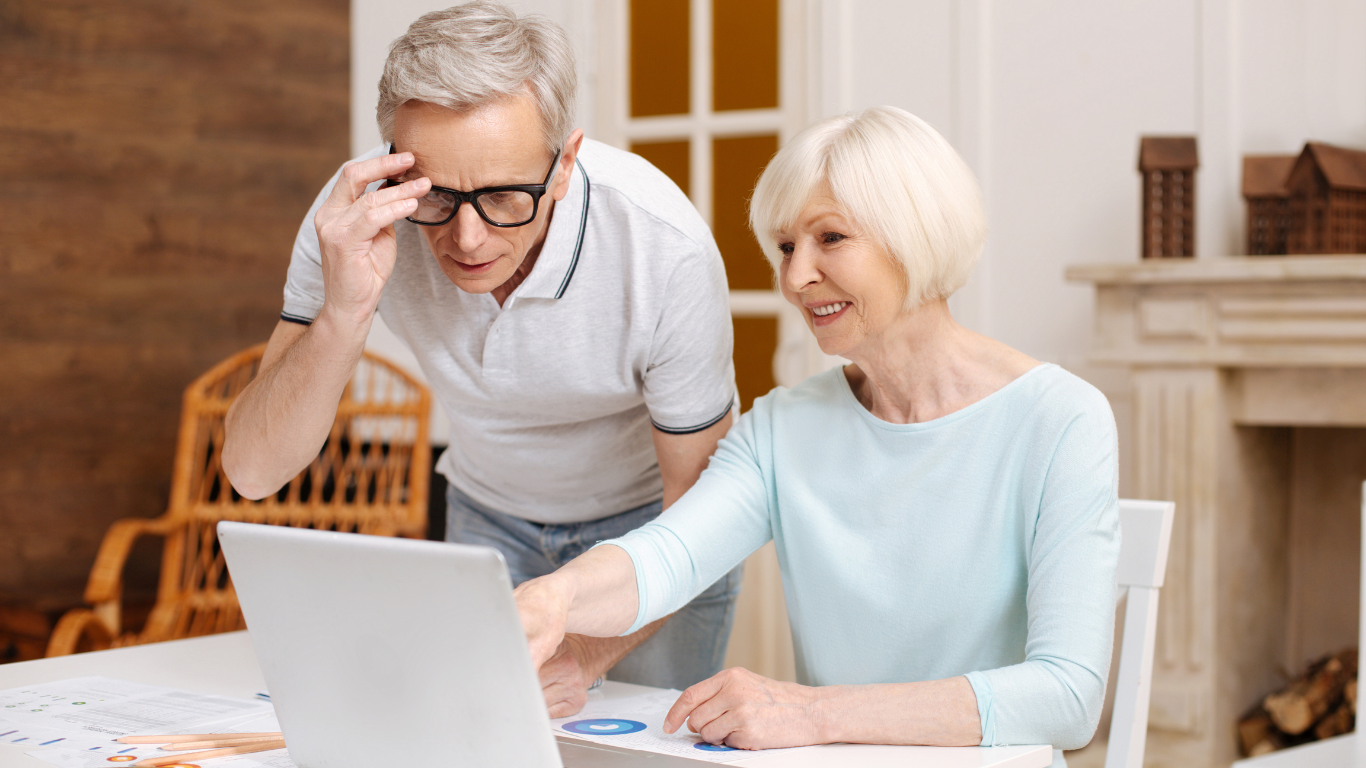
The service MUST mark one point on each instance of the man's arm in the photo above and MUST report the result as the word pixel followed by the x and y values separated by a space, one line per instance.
pixel 581 659
pixel 278 423
pixel 683 457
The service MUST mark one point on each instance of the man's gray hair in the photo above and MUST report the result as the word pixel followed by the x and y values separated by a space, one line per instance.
pixel 895 176
pixel 473 54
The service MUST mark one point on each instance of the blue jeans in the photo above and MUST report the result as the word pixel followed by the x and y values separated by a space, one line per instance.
pixel 690 647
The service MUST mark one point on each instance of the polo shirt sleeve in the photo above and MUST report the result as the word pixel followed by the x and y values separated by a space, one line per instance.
pixel 690 380
pixel 304 283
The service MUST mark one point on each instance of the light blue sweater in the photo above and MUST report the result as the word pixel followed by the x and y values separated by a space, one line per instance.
pixel 982 543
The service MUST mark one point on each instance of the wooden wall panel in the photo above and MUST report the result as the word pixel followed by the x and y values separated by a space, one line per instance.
pixel 156 158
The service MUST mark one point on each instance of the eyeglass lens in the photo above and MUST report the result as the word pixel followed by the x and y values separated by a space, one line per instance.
pixel 505 207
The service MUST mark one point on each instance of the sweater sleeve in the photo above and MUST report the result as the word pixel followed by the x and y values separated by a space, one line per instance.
pixel 710 529
pixel 1055 695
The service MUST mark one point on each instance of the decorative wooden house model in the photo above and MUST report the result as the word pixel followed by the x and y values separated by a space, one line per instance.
pixel 1167 164
pixel 1268 202
pixel 1327 187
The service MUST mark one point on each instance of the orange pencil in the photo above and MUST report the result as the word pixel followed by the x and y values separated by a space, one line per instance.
pixel 216 743
pixel 177 738
pixel 258 746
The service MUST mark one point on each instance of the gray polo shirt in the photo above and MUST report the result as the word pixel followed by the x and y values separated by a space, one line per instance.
pixel 623 322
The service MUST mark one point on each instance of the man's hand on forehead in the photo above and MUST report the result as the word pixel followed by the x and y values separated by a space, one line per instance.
pixel 356 233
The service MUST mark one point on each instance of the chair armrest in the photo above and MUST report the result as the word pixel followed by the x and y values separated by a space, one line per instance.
pixel 74 625
pixel 106 576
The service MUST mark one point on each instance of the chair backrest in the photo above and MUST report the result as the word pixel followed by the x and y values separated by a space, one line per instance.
pixel 1146 532
pixel 371 476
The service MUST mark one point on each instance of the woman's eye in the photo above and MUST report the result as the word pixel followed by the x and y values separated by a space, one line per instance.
pixel 830 238
pixel 785 249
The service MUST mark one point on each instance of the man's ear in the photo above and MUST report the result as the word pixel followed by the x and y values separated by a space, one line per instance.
pixel 568 155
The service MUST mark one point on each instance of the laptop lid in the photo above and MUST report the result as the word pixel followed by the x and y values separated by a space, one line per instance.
pixel 383 651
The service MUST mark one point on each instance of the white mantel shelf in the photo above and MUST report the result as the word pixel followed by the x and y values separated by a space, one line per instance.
pixel 1226 269
pixel 1231 312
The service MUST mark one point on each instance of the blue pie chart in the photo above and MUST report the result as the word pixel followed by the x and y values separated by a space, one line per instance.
pixel 706 747
pixel 603 727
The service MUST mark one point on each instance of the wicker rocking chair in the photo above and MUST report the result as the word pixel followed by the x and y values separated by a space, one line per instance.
pixel 370 477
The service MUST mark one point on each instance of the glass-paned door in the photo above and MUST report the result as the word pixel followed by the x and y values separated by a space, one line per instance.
pixel 703 100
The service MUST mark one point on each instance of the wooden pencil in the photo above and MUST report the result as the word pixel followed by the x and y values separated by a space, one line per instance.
pixel 176 738
pixel 182 746
pixel 244 749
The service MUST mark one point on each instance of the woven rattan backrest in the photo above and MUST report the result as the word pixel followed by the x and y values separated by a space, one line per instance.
pixel 370 476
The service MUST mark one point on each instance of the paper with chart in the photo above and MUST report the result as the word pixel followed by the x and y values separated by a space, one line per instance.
pixel 73 723
pixel 637 722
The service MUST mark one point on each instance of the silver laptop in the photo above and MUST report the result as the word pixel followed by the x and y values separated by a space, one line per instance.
pixel 381 651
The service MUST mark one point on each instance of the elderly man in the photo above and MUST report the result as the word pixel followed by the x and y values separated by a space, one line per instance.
pixel 564 299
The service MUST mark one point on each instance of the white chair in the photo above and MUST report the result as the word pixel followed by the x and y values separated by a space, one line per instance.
pixel 1345 750
pixel 1146 528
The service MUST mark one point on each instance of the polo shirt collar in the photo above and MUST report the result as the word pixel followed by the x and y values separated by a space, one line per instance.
pixel 554 268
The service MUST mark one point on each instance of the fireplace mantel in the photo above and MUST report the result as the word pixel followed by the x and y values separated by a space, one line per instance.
pixel 1234 311
pixel 1229 358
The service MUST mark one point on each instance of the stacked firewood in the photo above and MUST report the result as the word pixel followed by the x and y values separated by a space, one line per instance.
pixel 1320 704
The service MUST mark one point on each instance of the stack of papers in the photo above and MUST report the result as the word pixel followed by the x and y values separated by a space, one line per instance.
pixel 73 723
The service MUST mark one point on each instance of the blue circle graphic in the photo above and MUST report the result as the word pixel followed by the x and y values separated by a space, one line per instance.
pixel 603 727
pixel 705 747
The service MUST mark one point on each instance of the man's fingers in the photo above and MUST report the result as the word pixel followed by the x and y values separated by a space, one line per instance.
pixel 690 700
pixel 407 190
pixel 382 216
pixel 561 701
pixel 355 177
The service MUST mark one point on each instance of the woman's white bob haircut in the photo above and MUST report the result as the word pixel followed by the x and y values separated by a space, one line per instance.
pixel 473 54
pixel 897 178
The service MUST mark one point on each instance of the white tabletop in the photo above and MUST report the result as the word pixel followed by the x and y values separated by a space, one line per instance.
pixel 226 665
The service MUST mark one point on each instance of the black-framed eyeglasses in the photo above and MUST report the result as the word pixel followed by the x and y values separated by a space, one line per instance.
pixel 510 205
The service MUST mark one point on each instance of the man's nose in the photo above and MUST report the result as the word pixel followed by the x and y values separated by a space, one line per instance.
pixel 467 229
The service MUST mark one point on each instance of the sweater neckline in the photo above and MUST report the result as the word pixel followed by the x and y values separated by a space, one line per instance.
pixel 847 392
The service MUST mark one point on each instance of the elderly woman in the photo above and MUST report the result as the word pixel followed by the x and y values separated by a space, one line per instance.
pixel 944 508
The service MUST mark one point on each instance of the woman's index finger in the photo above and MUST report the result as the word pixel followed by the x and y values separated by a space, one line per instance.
pixel 690 700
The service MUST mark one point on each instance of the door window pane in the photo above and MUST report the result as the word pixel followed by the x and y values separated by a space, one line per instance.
pixel 756 340
pixel 736 164
pixel 671 157
pixel 660 42
pixel 744 54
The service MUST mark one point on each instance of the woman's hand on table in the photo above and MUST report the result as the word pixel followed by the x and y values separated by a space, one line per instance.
pixel 744 710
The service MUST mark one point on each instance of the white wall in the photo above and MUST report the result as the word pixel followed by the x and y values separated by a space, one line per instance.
pixel 375 24
pixel 1046 101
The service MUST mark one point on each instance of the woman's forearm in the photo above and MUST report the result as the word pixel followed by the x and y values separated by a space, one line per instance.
pixel 594 594
pixel 604 602
pixel 601 589
pixel 933 713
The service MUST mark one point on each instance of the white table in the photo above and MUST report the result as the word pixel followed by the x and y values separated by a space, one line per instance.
pixel 226 665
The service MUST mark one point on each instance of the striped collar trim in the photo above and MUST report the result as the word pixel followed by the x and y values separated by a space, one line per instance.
pixel 559 258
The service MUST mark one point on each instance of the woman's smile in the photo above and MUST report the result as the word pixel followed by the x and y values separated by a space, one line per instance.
pixel 825 314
